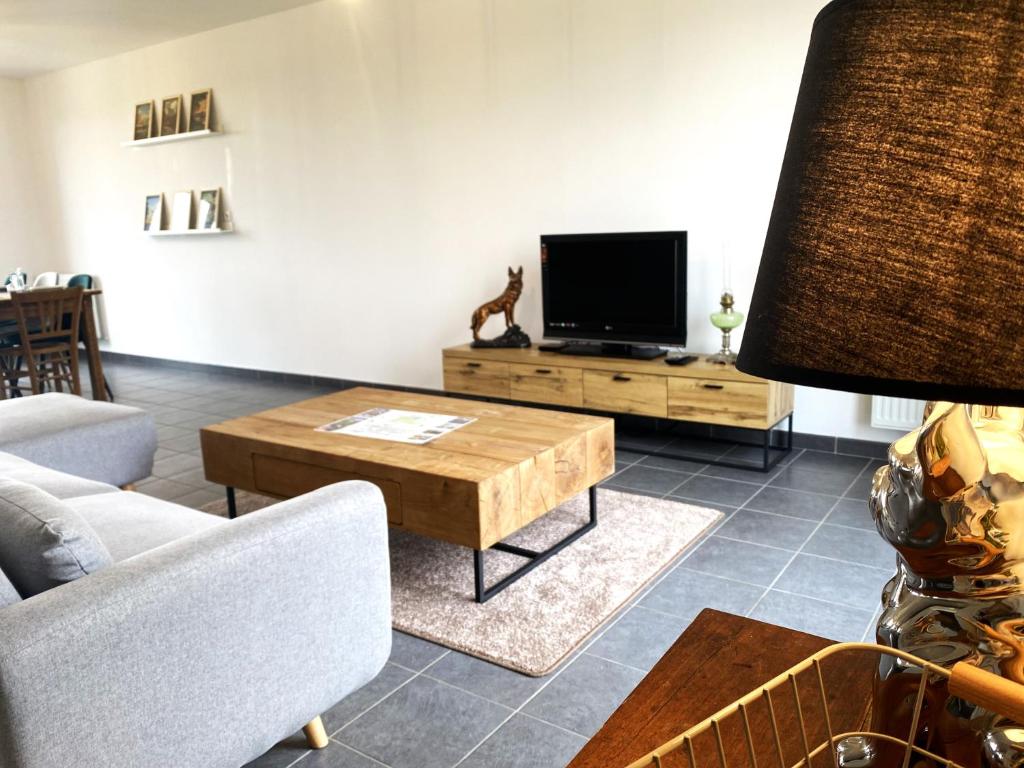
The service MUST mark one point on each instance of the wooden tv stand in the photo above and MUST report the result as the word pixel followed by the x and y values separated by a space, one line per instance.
pixel 700 392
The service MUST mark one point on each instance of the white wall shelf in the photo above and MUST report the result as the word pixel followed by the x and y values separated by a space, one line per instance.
pixel 182 232
pixel 183 136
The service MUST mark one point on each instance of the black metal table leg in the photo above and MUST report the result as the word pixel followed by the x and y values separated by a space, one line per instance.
pixel 232 509
pixel 485 593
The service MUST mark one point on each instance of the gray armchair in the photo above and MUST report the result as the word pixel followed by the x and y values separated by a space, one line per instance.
pixel 204 651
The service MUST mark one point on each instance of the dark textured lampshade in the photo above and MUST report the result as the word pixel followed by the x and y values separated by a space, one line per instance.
pixel 894 260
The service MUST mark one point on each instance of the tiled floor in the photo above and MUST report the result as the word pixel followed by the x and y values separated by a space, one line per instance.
pixel 797 548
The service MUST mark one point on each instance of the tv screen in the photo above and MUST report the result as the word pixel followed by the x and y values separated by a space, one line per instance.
pixel 623 288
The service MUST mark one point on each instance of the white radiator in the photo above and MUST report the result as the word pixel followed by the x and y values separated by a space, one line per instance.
pixel 896 413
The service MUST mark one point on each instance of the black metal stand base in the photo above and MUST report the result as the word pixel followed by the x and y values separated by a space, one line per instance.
pixel 232 509
pixel 771 455
pixel 485 593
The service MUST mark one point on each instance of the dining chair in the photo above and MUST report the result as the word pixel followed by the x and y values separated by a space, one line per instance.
pixel 86 282
pixel 48 333
pixel 46 280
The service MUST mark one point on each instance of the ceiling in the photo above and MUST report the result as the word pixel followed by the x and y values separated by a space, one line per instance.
pixel 42 35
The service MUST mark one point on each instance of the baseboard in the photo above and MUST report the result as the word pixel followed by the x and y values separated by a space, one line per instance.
pixel 869 449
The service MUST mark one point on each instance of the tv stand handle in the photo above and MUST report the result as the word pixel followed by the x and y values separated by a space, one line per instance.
pixel 542 370
pixel 620 377
pixel 472 365
pixel 713 386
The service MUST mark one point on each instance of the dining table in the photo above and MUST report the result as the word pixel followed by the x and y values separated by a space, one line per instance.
pixel 90 338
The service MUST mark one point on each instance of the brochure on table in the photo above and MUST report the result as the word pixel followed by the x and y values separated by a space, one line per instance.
pixel 400 426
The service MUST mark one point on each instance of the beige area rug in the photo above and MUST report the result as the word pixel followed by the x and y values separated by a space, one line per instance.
pixel 542 618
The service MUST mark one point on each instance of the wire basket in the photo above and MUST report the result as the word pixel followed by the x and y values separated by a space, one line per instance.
pixel 747 732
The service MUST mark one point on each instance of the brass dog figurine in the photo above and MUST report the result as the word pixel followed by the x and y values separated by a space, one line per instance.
pixel 951 502
pixel 505 303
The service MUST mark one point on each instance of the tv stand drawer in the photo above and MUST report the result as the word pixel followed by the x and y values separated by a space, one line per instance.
pixel 710 401
pixel 547 384
pixel 625 392
pixel 476 377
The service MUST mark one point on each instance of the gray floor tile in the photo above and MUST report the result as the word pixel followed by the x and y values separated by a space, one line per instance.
pixel 199 498
pixel 584 695
pixel 184 444
pixel 814 480
pixel 738 560
pixel 642 478
pixel 524 742
pixel 714 490
pixel 857 585
pixel 686 593
pixel 677 465
pixel 498 684
pixel 626 456
pixel 612 486
pixel 642 442
pixel 195 477
pixel 175 416
pixel 861 488
pixel 424 724
pixel 336 755
pixel 783 501
pixel 865 547
pixel 413 652
pixel 697 449
pixel 175 464
pixel 356 703
pixel 853 513
pixel 817 617
pixel 168 490
pixel 639 638
pixel 166 432
pixel 831 462
pixel 745 475
pixel 283 754
pixel 763 528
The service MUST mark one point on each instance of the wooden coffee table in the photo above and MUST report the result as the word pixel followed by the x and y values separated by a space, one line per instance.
pixel 474 486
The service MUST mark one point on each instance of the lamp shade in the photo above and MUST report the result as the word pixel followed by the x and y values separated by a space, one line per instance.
pixel 894 259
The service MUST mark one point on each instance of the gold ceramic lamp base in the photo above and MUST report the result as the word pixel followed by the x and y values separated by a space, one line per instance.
pixel 951 502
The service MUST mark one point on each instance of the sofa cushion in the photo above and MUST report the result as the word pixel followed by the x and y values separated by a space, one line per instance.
pixel 8 594
pixel 130 523
pixel 101 441
pixel 59 484
pixel 43 541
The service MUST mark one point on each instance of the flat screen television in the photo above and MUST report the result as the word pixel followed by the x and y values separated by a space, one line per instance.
pixel 623 289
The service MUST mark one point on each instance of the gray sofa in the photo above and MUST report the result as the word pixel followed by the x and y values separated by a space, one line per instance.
pixel 206 642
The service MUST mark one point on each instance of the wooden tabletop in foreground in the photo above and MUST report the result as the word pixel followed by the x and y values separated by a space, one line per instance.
pixel 718 659
pixel 473 486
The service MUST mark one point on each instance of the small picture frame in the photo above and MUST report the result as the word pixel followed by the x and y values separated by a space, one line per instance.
pixel 200 109
pixel 144 119
pixel 170 115
pixel 154 213
pixel 181 211
pixel 208 214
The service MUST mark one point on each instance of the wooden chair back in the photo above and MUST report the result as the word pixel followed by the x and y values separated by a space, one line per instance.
pixel 48 326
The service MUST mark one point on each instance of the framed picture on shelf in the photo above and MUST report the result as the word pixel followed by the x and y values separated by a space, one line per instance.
pixel 154 213
pixel 200 109
pixel 170 115
pixel 208 216
pixel 181 211
pixel 144 116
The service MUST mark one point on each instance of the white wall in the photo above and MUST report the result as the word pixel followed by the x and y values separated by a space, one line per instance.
pixel 26 241
pixel 385 160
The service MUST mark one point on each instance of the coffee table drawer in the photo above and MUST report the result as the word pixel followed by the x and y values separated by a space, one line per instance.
pixel 286 478
pixel 623 392
pixel 730 403
pixel 476 377
pixel 547 384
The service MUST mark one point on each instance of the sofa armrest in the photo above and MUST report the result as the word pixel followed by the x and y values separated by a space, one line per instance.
pixel 205 651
